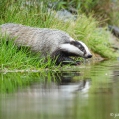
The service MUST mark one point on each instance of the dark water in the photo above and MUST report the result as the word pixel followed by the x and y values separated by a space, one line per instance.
pixel 88 92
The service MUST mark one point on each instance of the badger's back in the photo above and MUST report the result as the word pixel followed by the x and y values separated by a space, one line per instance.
pixel 42 40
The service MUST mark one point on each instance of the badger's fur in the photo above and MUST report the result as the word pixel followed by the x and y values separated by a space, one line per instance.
pixel 55 43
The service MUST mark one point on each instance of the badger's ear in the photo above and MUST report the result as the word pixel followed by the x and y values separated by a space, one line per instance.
pixel 71 50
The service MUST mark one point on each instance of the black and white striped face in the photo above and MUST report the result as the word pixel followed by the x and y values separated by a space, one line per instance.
pixel 76 48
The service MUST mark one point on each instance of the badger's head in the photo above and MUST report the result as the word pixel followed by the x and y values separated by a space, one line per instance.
pixel 76 48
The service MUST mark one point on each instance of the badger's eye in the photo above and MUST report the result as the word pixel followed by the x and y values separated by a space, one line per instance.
pixel 78 45
pixel 81 48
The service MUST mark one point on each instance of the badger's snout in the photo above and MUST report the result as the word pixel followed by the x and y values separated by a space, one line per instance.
pixel 88 56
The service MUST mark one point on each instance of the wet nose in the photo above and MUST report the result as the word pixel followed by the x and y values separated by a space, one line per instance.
pixel 89 56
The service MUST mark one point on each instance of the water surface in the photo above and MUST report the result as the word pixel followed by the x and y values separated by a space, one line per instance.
pixel 88 92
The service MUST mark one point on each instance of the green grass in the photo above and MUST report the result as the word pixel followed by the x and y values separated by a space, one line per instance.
pixel 14 58
pixel 84 29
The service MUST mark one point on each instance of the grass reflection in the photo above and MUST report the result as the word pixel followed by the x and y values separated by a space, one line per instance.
pixel 10 82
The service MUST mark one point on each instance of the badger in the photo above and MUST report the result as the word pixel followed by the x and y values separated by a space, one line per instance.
pixel 49 42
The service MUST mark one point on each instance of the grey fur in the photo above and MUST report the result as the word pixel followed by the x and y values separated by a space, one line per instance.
pixel 43 40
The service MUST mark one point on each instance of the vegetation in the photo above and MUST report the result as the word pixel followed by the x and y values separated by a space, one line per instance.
pixel 35 14
pixel 104 10
pixel 14 58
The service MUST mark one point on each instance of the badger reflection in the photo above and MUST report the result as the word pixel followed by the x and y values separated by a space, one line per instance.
pixel 55 93
pixel 68 81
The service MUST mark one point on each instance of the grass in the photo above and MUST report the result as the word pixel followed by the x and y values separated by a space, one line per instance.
pixel 84 29
pixel 13 58
pixel 114 16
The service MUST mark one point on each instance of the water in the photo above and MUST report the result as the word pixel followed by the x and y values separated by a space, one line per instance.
pixel 88 92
